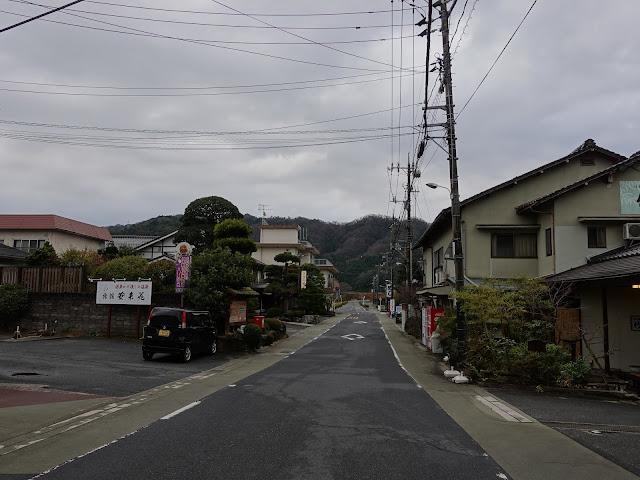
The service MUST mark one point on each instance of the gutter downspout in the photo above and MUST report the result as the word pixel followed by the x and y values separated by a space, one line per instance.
pixel 553 238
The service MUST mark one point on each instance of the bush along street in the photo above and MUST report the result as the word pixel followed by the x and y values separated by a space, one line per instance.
pixel 509 331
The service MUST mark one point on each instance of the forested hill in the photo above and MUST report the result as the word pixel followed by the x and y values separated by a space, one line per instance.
pixel 157 226
pixel 355 248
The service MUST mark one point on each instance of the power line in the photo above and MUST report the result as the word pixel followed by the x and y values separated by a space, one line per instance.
pixel 223 25
pixel 304 38
pixel 210 87
pixel 191 94
pixel 40 16
pixel 194 132
pixel 153 145
pixel 213 25
pixel 236 14
pixel 498 58
pixel 144 33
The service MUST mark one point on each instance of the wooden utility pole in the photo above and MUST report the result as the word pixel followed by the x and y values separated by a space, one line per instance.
pixel 453 169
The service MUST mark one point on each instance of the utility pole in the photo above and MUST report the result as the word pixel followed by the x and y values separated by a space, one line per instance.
pixel 409 232
pixel 453 172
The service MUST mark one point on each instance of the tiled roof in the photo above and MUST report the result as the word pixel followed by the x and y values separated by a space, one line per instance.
pixel 623 261
pixel 613 168
pixel 132 240
pixel 156 239
pixel 628 266
pixel 589 145
pixel 12 253
pixel 624 251
pixel 53 222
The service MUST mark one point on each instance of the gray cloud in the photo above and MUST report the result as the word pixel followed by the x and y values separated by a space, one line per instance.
pixel 571 73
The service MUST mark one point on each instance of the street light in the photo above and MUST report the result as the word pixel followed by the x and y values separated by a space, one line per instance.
pixel 435 185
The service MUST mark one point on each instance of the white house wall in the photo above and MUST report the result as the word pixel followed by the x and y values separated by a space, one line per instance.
pixel 165 247
pixel 267 254
pixel 279 235
pixel 60 241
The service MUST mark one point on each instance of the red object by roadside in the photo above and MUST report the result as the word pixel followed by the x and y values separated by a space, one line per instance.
pixel 259 320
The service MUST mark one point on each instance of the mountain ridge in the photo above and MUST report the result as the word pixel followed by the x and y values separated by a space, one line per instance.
pixel 354 247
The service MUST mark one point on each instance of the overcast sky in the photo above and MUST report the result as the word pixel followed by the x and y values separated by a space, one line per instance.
pixel 291 104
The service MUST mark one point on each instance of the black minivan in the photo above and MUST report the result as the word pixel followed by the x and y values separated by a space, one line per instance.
pixel 179 332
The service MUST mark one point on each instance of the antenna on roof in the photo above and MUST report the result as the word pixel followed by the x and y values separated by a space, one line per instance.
pixel 263 208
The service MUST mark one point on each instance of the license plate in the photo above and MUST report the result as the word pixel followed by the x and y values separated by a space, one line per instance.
pixel 163 333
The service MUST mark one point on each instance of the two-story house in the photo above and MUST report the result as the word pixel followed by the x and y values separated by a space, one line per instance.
pixel 276 239
pixel 30 232
pixel 550 220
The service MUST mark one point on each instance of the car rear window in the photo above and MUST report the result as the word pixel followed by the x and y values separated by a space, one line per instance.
pixel 165 320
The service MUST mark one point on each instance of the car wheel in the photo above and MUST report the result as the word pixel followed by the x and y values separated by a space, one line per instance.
pixel 147 355
pixel 214 346
pixel 186 356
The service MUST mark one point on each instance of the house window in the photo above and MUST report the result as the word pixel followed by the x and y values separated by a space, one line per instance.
pixel 587 161
pixel 28 246
pixel 437 258
pixel 597 237
pixel 547 241
pixel 514 245
pixel 438 261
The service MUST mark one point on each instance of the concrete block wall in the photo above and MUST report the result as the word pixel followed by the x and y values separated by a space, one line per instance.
pixel 78 313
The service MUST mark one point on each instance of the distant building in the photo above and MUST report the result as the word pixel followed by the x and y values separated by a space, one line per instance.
pixel 328 271
pixel 152 248
pixel 277 239
pixel 30 232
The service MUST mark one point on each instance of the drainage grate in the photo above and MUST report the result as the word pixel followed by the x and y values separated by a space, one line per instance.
pixel 24 374
pixel 594 426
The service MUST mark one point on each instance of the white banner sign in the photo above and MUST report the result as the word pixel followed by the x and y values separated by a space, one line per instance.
pixel 124 293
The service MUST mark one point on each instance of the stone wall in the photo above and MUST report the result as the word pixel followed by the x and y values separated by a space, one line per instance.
pixel 79 313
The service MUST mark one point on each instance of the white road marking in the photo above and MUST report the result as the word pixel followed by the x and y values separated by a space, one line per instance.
pixel 501 409
pixel 360 321
pixel 352 336
pixel 180 410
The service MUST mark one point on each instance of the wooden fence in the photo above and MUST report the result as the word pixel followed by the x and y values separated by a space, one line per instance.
pixel 46 279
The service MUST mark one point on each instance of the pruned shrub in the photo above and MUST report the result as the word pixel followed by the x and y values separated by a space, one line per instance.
pixel 268 339
pixel 273 324
pixel 252 334
pixel 14 302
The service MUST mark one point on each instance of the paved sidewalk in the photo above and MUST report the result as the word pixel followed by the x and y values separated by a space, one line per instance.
pixel 525 448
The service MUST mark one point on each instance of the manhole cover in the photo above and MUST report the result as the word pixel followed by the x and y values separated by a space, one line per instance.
pixel 24 374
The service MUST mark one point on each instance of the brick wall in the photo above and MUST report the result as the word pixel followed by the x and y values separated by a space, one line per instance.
pixel 78 313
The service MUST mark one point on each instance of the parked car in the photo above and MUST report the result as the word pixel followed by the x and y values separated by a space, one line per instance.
pixel 179 332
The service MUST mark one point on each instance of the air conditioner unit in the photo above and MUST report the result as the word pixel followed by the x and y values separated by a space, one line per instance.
pixel 631 231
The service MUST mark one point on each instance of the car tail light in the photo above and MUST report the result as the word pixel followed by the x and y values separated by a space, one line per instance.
pixel 149 319
pixel 184 319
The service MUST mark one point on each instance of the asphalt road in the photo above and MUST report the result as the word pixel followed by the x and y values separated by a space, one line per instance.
pixel 340 407
pixel 97 366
